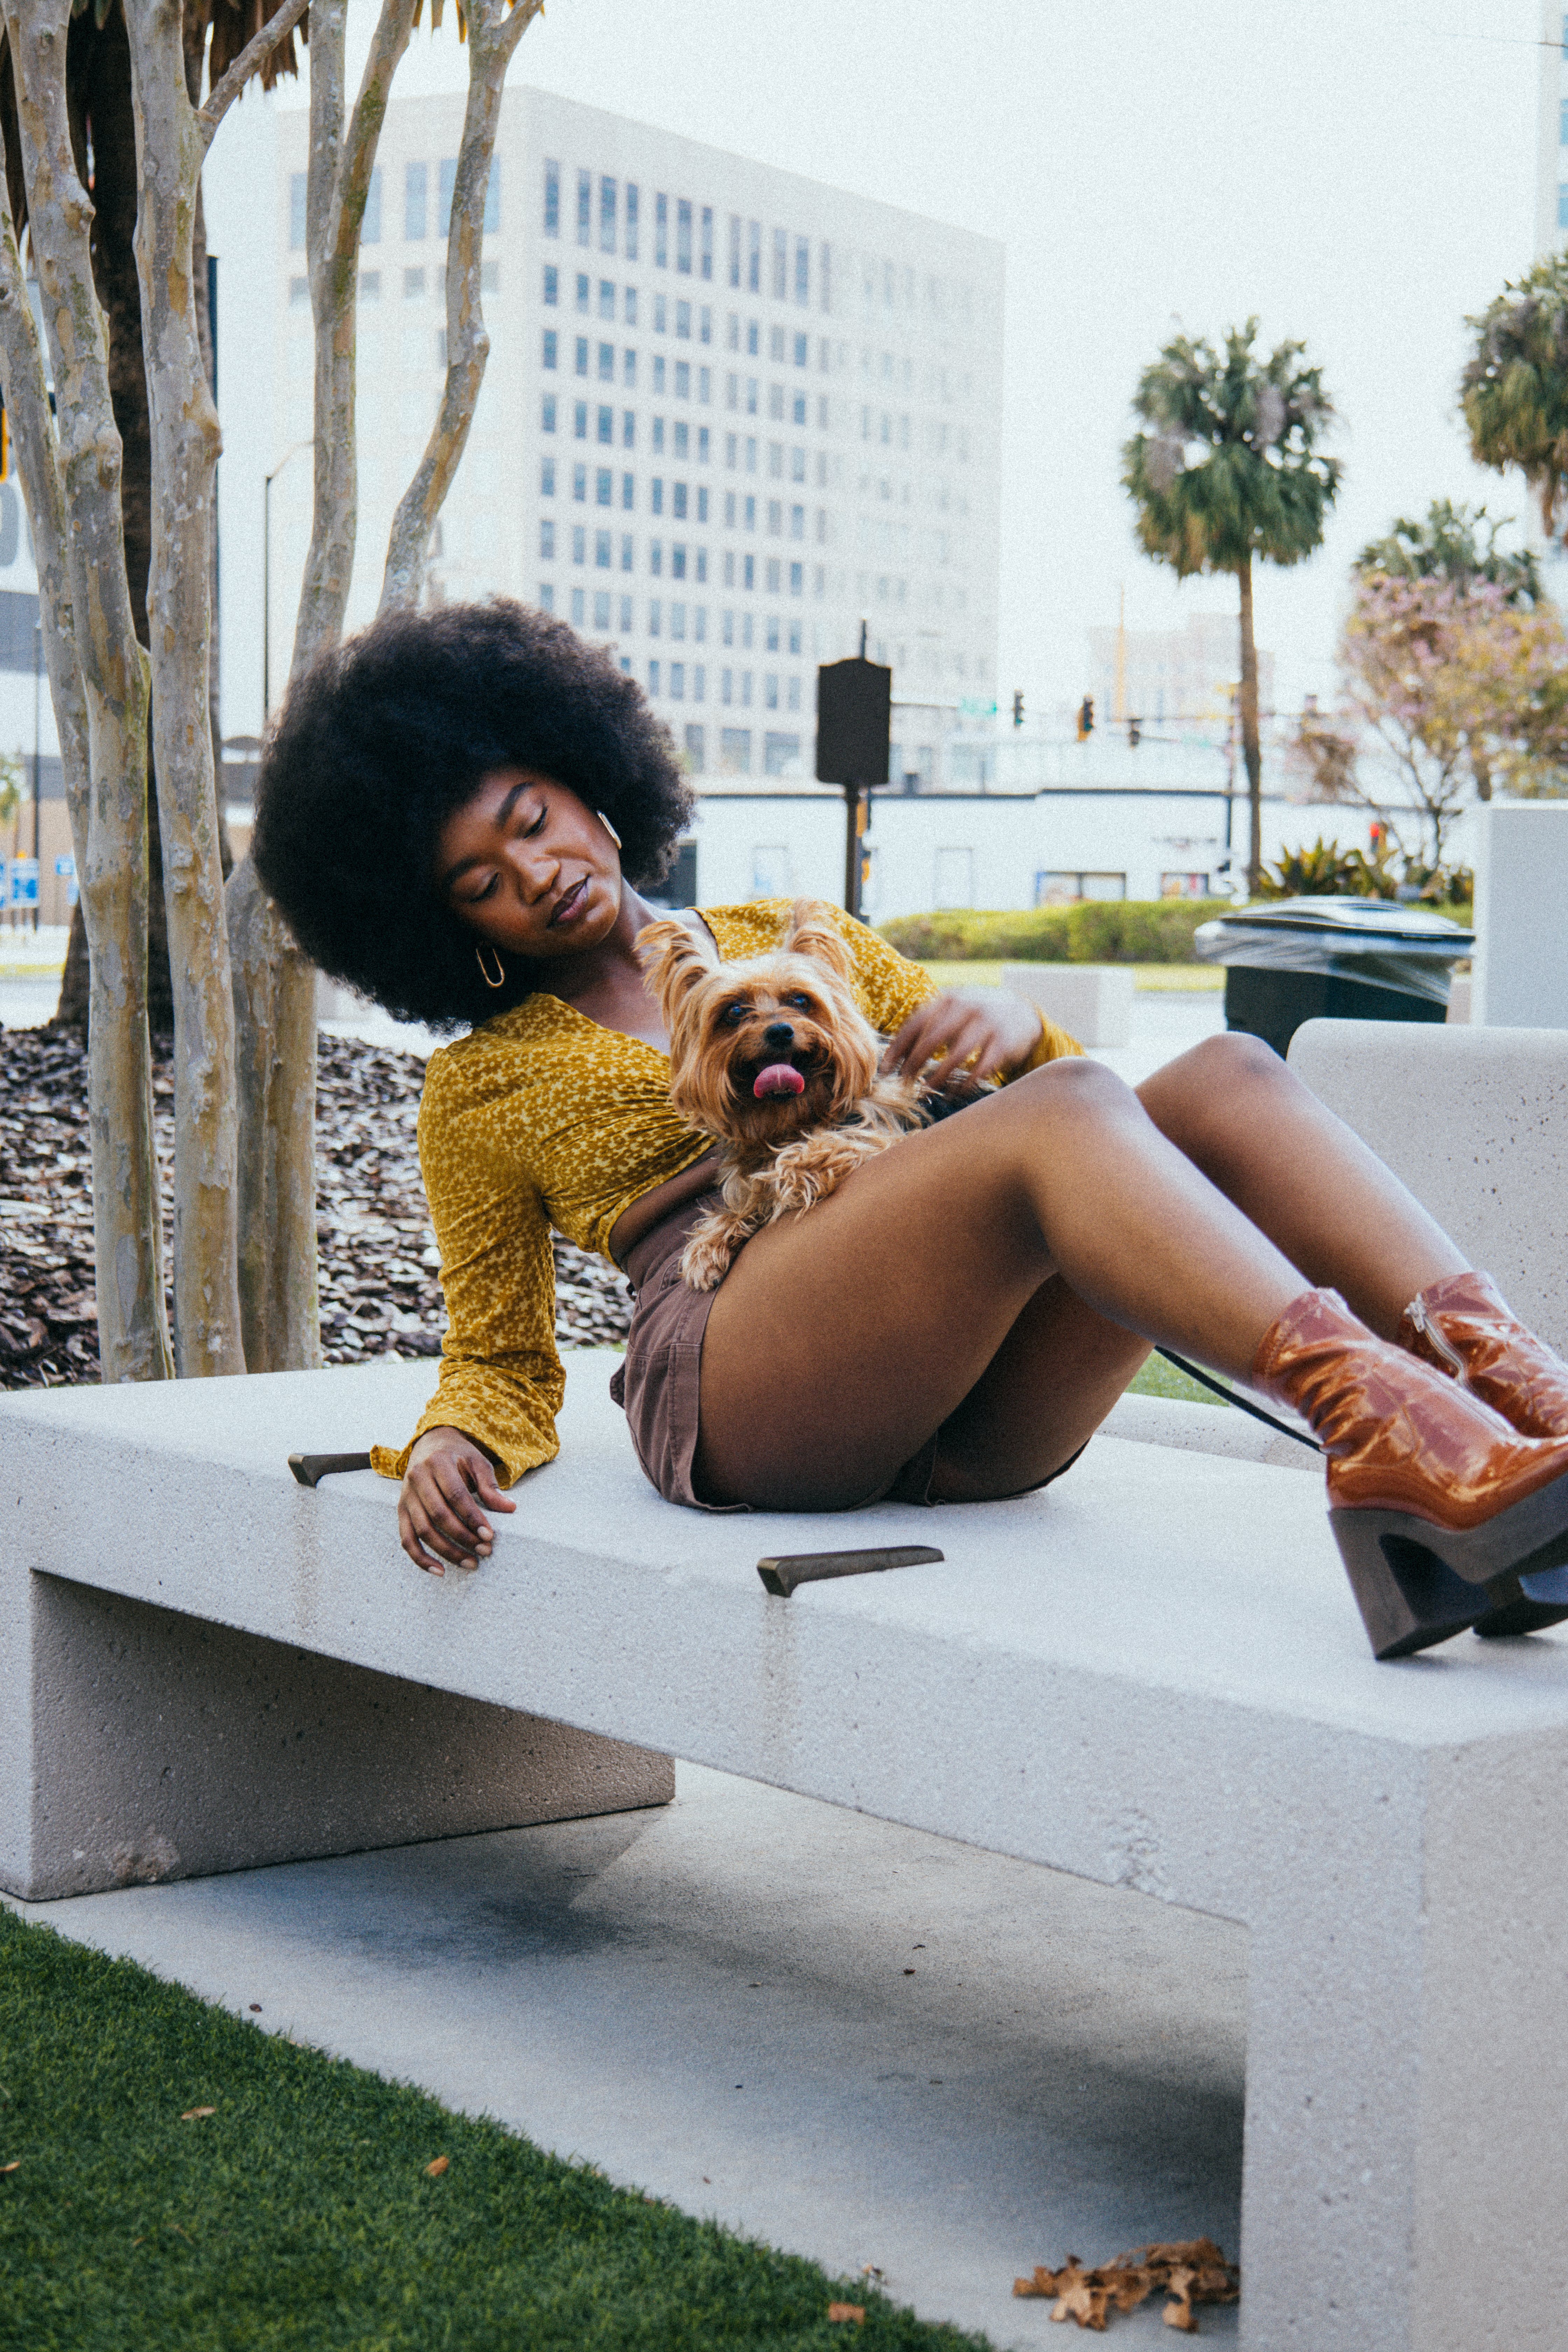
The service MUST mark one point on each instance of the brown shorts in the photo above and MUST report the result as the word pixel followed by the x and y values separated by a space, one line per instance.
pixel 657 1384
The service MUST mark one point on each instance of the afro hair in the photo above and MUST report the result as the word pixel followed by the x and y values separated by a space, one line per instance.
pixel 387 735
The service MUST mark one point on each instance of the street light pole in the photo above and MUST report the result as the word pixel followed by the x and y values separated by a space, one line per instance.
pixel 267 481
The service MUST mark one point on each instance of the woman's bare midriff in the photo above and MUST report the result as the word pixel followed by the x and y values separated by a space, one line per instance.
pixel 645 1213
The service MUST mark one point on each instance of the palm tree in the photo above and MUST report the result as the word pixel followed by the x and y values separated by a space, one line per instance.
pixel 1514 388
pixel 1456 543
pixel 1228 470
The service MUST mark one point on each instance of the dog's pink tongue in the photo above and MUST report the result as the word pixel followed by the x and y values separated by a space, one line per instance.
pixel 778 1078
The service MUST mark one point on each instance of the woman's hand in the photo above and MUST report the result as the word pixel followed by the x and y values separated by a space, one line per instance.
pixel 983 1031
pixel 448 1479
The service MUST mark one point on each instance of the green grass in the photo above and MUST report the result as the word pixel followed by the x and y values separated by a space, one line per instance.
pixel 300 2214
pixel 1159 1378
pixel 1161 978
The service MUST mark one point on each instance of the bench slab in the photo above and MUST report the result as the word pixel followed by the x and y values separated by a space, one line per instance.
pixel 1152 1675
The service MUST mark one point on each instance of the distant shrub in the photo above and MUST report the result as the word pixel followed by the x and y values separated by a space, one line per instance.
pixel 1096 930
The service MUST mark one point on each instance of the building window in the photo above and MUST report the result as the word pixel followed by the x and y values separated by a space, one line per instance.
pixel 413 286
pixel 701 504
pixel 705 326
pixel 580 420
pixel 753 345
pixel 795 694
pixel 370 223
pixel 748 579
pixel 656 494
pixel 604 487
pixel 781 755
pixel 781 264
pixel 677 681
pixel 631 220
pixel 579 607
pixel 299 292
pixel 753 257
pixel 703 564
pixel 584 207
pixel 771 638
pixel 702 444
pixel 655 557
pixel 802 278
pixel 655 616
pixel 629 369
pixel 774 569
pixel 580 484
pixel 678 500
pixel 601 550
pixel 824 286
pixel 607 299
pixel 659 383
pixel 416 202
pixel 625 566
pixel 677 561
pixel 583 290
pixel 734 254
pixel 683 378
pixel 579 544
pixel 734 748
pixel 678 622
pixel 551 283
pixel 683 237
pixel 653 665
pixel 660 314
pixel 549 347
pixel 775 518
pixel 745 689
pixel 661 232
pixel 297 186
pixel 694 747
pixel 601 610
pixel 778 347
pixel 547 477
pixel 628 428
pixel 628 492
pixel 607 207
pixel 625 609
pixel 547 541
pixel 707 264
pixel 580 355
pixel 547 414
pixel 546 596
pixel 797 522
pixel 1563 207
pixel 553 200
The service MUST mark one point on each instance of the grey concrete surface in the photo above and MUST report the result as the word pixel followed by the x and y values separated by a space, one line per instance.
pixel 1475 1120
pixel 1151 1675
pixel 710 2002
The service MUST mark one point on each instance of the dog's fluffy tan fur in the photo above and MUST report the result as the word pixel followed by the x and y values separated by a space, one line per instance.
pixel 779 1154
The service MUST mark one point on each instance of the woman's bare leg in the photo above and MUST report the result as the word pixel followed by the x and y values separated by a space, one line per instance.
pixel 1300 1175
pixel 838 1342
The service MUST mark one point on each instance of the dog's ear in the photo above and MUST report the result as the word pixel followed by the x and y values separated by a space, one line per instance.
pixel 674 959
pixel 813 932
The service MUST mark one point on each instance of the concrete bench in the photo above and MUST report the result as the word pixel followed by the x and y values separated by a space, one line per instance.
pixel 1151 1675
pixel 1092 1002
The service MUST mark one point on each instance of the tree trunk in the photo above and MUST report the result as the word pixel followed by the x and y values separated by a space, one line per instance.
pixel 275 1017
pixel 1251 749
pixel 102 645
pixel 184 445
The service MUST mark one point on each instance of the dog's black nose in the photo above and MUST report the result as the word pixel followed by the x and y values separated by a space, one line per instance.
pixel 779 1034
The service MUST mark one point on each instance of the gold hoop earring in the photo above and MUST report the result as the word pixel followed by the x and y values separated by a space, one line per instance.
pixel 499 980
pixel 609 828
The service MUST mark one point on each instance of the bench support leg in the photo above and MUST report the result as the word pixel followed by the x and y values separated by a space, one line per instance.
pixel 1406 2166
pixel 136 1744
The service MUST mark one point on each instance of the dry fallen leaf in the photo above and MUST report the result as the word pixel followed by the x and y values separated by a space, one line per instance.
pixel 1193 2271
pixel 855 2312
pixel 436 2169
pixel 11 2167
pixel 193 2115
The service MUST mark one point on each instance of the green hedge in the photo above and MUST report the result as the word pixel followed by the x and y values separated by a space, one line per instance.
pixel 1097 931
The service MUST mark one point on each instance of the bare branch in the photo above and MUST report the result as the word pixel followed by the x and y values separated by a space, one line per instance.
pixel 250 60
pixel 493 35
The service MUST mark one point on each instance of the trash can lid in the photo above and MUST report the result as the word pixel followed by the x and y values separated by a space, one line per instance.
pixel 1407 949
pixel 1377 918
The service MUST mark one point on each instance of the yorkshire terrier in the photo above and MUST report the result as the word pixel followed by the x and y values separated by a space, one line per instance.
pixel 775 1059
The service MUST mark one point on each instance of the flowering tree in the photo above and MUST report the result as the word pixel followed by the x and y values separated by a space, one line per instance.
pixel 1450 687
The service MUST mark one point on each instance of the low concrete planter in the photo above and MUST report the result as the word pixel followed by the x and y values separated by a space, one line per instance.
pixel 1092 1002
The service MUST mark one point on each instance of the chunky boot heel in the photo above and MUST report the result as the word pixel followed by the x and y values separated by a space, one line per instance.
pixel 1465 1326
pixel 1529 1604
pixel 1408 1600
pixel 1439 1507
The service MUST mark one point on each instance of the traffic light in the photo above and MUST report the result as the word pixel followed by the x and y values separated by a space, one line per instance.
pixel 1086 718
pixel 1134 733
pixel 1018 709
pixel 1377 836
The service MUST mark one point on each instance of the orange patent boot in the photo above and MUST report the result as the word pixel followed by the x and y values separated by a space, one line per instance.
pixel 1464 1327
pixel 1436 1505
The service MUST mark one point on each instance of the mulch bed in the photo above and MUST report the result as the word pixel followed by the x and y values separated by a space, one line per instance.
pixel 379 1295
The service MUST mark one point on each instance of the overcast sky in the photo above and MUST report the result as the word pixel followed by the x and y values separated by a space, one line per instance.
pixel 1359 174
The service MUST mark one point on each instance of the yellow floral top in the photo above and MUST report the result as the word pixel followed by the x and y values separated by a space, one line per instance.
pixel 543 1117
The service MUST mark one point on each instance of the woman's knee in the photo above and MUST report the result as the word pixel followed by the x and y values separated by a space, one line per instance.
pixel 1073 1087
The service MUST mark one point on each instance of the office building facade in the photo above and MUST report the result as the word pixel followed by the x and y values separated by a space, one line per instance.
pixel 729 415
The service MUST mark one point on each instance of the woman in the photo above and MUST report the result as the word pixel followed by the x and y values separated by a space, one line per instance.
pixel 454 813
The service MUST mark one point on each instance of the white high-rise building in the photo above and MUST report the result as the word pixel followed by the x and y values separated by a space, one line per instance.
pixel 729 414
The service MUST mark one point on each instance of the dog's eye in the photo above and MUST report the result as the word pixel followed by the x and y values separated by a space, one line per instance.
pixel 733 1015
pixel 798 999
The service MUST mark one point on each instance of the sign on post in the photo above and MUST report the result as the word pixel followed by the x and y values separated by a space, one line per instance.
pixel 24 881
pixel 64 871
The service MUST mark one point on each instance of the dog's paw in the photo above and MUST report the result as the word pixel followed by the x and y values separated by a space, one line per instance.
pixel 704 1263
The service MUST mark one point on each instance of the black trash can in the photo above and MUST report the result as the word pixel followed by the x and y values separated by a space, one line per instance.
pixel 1295 959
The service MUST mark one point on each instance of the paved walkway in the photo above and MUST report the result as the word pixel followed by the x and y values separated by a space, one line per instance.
pixel 855 2041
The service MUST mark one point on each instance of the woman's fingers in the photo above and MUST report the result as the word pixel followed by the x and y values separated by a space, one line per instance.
pixel 443 1514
